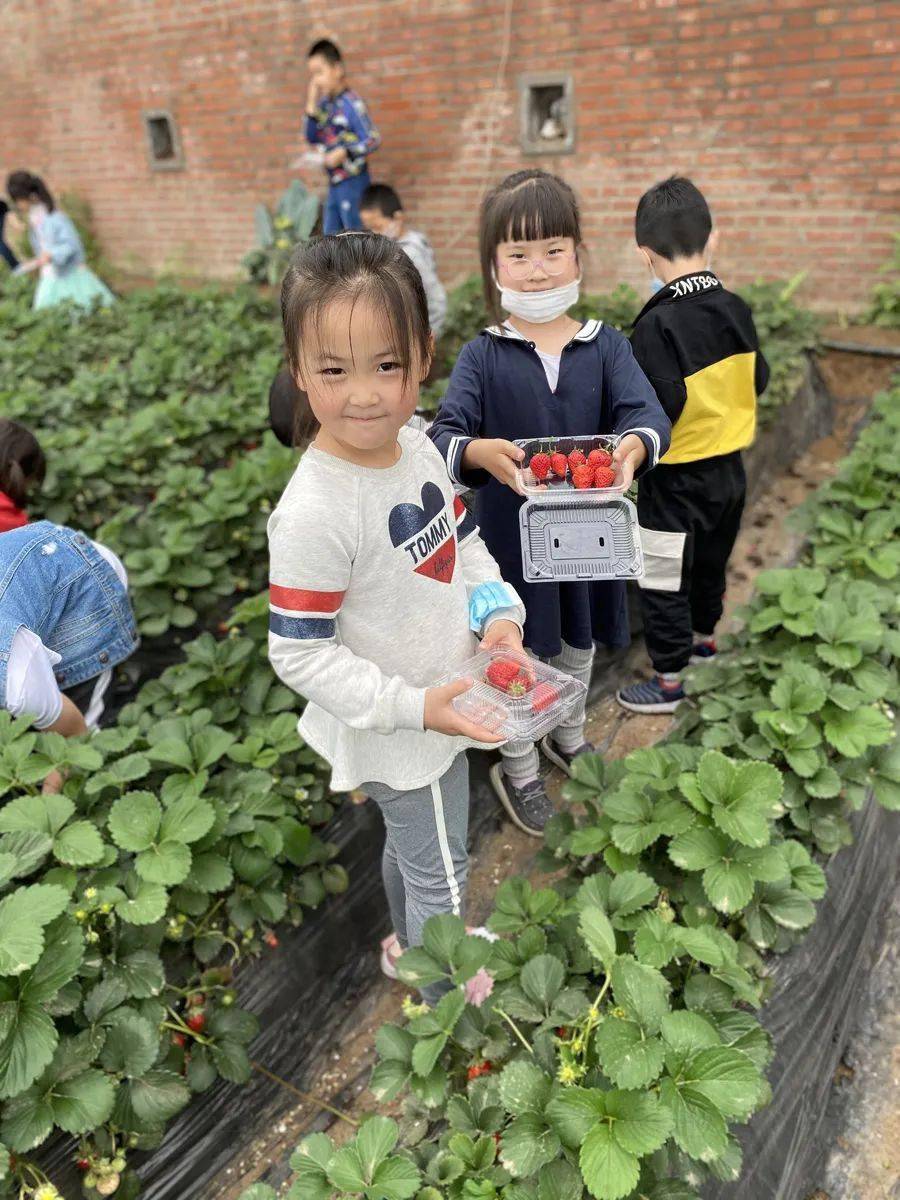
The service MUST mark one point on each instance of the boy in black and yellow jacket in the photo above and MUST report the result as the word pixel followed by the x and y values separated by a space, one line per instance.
pixel 697 344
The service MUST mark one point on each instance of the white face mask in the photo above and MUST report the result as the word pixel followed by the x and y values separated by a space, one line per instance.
pixel 540 307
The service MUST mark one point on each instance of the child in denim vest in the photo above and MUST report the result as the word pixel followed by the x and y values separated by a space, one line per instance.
pixel 65 617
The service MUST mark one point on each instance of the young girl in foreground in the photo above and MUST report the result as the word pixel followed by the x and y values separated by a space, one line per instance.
pixel 541 374
pixel 379 580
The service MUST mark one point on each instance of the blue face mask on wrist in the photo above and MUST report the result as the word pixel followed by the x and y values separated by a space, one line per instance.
pixel 656 285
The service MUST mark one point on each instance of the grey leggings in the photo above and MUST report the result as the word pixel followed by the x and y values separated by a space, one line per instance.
pixel 425 863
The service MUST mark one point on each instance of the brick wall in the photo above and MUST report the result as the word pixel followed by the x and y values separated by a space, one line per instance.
pixel 781 112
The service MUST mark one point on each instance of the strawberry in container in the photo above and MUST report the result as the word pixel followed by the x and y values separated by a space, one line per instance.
pixel 570 464
pixel 515 695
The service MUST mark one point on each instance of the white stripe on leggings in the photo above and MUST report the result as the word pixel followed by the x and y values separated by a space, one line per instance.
pixel 438 802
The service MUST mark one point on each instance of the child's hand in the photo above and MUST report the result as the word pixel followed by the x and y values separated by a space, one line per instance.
pixel 312 97
pixel 442 717
pixel 497 456
pixel 628 457
pixel 335 157
pixel 502 635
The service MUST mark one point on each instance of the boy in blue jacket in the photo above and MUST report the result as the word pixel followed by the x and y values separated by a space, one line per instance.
pixel 338 120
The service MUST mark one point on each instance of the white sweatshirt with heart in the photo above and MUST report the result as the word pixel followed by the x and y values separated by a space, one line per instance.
pixel 371 576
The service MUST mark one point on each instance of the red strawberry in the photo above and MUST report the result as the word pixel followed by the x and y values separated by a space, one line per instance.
pixel 604 477
pixel 83 1164
pixel 178 1039
pixel 270 939
pixel 599 458
pixel 576 459
pixel 583 476
pixel 196 1021
pixel 543 696
pixel 540 465
pixel 559 465
pixel 509 676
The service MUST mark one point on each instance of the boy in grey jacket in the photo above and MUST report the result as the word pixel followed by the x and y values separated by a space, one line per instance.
pixel 381 211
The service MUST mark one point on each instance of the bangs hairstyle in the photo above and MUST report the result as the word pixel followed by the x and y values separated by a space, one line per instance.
pixel 22 462
pixel 673 219
pixel 528 206
pixel 352 267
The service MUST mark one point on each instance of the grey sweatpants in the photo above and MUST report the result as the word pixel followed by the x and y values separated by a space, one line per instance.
pixel 425 863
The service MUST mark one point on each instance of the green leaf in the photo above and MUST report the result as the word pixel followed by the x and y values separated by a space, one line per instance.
pixel 574 1113
pixel 167 862
pixel 27 1121
pixel 23 914
pixel 394 1179
pixel 134 821
pixel 598 934
pixel 523 1088
pixel 376 1139
pixel 43 814
pixel 543 978
pixel 559 1180
pixel 388 1079
pixel 28 1039
pixel 426 1052
pixel 82 1104
pixel 627 1055
pixel 609 1171
pixel 851 733
pixel 527 1144
pixel 727 1078
pixel 640 1124
pixel 641 991
pixel 105 996
pixel 417 968
pixel 698 1126
pixel 729 886
pixel 394 1043
pixel 442 935
pixel 697 849
pixel 59 963
pixel 702 945
pixel 345 1171
pixel 655 943
pixel 146 906
pixel 131 1046
pixel 687 1033
pixel 78 844
pixel 630 891
pixel 158 1096
pixel 187 820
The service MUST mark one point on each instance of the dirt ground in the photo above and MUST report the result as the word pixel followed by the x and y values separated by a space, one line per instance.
pixel 765 541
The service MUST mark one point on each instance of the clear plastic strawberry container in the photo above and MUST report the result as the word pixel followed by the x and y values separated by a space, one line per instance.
pixel 554 483
pixel 515 695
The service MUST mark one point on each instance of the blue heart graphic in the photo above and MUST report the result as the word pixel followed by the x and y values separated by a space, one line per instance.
pixel 407 519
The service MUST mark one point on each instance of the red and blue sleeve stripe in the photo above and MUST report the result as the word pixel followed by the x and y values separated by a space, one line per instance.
pixel 301 614
pixel 465 521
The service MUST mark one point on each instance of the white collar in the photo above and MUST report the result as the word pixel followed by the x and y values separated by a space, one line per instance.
pixel 587 333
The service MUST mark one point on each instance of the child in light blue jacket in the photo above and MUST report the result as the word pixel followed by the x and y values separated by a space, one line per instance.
pixel 58 252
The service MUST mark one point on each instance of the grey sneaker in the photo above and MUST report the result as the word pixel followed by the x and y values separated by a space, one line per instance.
pixel 564 758
pixel 529 807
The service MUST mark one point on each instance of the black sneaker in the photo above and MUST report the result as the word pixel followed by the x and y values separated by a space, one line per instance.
pixel 529 806
pixel 564 758
pixel 651 697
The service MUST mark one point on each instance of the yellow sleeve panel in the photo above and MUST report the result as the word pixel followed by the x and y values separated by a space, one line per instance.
pixel 719 414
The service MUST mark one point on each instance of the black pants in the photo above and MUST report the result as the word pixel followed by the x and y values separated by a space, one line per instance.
pixel 690 515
